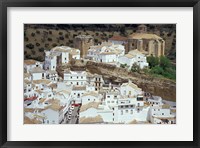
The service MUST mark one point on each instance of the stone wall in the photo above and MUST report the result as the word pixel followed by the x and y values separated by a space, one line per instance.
pixel 83 44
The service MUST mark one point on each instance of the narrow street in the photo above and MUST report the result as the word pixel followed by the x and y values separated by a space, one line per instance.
pixel 73 117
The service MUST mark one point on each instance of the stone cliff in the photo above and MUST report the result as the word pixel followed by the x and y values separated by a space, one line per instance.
pixel 157 86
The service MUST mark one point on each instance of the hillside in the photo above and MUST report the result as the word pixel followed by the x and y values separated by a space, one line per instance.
pixel 40 37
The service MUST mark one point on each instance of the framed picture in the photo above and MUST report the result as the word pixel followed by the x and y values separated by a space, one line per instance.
pixel 104 73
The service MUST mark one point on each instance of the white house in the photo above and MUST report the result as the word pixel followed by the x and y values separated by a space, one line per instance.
pixel 106 52
pixel 130 89
pixel 60 55
pixel 78 78
pixel 51 60
pixel 28 90
pixel 30 64
pixel 37 73
pixel 91 96
pixel 77 92
pixel 134 57
pixel 52 75
pixel 161 114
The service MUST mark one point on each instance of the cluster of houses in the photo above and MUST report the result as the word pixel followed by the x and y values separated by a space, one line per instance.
pixel 49 96
pixel 112 53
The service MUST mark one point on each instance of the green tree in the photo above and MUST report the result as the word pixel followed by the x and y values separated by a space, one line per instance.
pixel 164 62
pixel 153 61
pixel 135 68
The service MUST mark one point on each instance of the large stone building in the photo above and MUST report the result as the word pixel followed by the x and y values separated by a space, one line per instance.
pixel 150 44
pixel 83 43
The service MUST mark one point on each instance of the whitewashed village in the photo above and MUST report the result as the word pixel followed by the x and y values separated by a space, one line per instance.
pixel 68 96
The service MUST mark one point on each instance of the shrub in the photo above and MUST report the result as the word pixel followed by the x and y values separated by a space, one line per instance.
pixel 32 34
pixel 61 38
pixel 41 49
pixel 96 40
pixel 26 39
pixel 135 68
pixel 54 45
pixel 60 33
pixel 30 46
pixel 123 65
pixel 66 36
pixel 46 45
pixel 37 44
pixel 49 39
pixel 37 31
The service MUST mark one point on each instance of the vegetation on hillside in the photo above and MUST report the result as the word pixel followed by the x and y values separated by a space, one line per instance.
pixel 40 37
pixel 162 66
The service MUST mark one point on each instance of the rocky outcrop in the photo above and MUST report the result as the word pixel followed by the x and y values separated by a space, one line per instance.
pixel 157 86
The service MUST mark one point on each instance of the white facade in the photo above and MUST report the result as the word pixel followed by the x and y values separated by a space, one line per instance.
pixel 75 78
pixel 90 97
pixel 130 89
pixel 30 64
pixel 134 57
pixel 52 75
pixel 37 73
pixel 106 52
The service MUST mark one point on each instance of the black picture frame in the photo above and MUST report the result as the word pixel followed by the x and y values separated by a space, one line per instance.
pixel 98 3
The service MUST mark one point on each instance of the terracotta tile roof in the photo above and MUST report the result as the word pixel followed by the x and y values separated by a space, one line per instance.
pixel 118 38
pixel 91 93
pixel 42 81
pixel 144 36
pixel 37 70
pixel 26 75
pixel 79 88
pixel 107 53
pixel 30 62
pixel 31 121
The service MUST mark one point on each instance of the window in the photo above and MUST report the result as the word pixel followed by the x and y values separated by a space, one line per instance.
pixel 108 96
pixel 77 77
pixel 81 77
pixel 121 112
pixel 131 111
pixel 162 113
pixel 88 99
pixel 108 101
pixel 113 114
pixel 49 95
pixel 126 106
pixel 113 101
pixel 126 111
pixel 71 77
pixel 122 106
